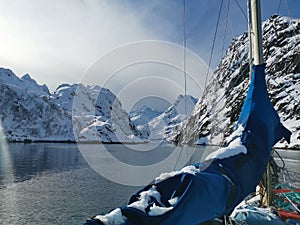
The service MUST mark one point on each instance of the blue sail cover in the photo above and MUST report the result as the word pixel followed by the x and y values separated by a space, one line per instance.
pixel 221 183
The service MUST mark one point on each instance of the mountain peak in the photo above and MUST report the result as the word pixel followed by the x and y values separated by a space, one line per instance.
pixel 8 77
pixel 26 76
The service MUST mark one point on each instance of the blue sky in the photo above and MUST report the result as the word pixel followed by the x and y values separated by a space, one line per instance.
pixel 58 41
pixel 202 17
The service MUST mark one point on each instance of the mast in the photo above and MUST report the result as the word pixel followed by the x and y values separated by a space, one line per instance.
pixel 256 44
pixel 257 32
pixel 250 38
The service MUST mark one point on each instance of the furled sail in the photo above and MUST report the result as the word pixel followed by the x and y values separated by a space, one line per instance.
pixel 212 188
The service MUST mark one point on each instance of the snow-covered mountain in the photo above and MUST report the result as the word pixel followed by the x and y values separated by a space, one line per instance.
pixel 26 82
pixel 80 113
pixel 140 119
pixel 216 113
pixel 97 114
pixel 154 125
pixel 168 124
pixel 29 112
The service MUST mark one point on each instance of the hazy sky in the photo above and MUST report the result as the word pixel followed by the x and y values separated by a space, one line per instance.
pixel 59 41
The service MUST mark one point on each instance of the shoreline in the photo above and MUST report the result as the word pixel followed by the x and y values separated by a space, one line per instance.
pixel 29 141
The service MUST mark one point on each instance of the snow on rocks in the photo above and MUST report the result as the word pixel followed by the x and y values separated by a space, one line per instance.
pixel 154 125
pixel 74 112
pixel 215 115
pixel 30 113
pixel 26 82
pixel 141 118
pixel 27 114
pixel 168 124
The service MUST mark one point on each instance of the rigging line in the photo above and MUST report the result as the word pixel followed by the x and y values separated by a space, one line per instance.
pixel 290 201
pixel 286 177
pixel 288 8
pixel 226 24
pixel 184 54
pixel 249 22
pixel 279 5
pixel 213 45
pixel 184 70
pixel 279 156
pixel 231 28
pixel 218 100
pixel 184 62
pixel 211 53
pixel 290 15
pixel 241 9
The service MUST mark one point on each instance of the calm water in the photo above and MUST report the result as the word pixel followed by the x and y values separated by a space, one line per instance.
pixel 45 183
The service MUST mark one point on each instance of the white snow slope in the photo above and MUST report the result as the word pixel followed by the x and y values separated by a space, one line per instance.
pixel 154 125
pixel 169 123
pixel 29 112
pixel 140 118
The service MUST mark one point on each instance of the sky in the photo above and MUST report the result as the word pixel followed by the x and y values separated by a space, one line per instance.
pixel 133 47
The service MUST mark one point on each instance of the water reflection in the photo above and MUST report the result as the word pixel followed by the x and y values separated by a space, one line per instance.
pixel 6 166
pixel 126 166
pixel 8 202
pixel 23 161
pixel 20 161
pixel 50 183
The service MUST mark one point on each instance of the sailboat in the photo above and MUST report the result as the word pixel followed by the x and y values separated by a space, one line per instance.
pixel 212 189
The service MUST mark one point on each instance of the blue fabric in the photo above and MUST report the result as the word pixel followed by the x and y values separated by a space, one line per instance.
pixel 222 183
pixel 198 200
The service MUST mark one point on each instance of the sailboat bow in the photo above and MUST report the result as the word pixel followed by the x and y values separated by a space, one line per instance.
pixel 213 188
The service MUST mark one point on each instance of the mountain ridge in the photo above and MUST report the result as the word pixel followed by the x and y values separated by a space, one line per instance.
pixel 29 112
pixel 75 113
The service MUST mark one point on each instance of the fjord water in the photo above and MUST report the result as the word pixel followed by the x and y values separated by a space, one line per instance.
pixel 51 183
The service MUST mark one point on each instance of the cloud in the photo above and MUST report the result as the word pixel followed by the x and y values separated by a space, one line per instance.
pixel 148 68
pixel 55 41
pixel 64 41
